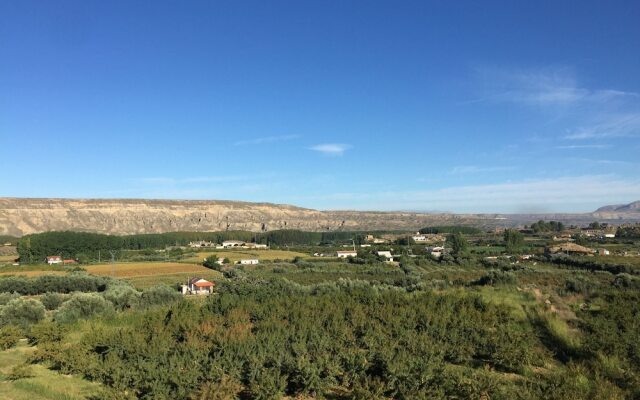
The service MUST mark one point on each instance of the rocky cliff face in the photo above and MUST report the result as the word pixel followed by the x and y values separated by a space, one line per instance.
pixel 20 217
pixel 23 216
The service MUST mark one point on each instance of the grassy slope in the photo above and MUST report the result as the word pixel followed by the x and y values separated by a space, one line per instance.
pixel 45 385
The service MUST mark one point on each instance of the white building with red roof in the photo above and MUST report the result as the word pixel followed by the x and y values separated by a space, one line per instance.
pixel 198 286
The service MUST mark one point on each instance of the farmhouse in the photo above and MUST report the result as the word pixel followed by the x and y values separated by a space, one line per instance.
pixel 386 254
pixel 255 246
pixel 232 243
pixel 201 243
pixel 419 238
pixel 603 252
pixel 346 253
pixel 198 286
pixel 436 251
pixel 250 261
pixel 54 260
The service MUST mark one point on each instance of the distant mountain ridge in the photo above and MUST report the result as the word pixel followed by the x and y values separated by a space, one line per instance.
pixel 22 216
pixel 633 207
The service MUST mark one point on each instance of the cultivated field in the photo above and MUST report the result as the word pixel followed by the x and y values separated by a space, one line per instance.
pixel 237 255
pixel 146 274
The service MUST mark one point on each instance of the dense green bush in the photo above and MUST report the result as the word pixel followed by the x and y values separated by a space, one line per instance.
pixel 7 297
pixel 159 295
pixel 74 282
pixel 276 338
pixel 497 277
pixel 46 332
pixel 9 337
pixel 21 312
pixel 82 306
pixel 122 295
pixel 52 301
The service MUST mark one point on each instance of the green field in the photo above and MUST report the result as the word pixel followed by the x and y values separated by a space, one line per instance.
pixel 44 385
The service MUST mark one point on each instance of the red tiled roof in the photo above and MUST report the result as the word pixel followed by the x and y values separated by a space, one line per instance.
pixel 203 284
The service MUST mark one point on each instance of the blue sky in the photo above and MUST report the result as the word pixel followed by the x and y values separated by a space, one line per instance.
pixel 426 105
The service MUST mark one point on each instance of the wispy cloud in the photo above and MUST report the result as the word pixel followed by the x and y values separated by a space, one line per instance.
pixel 543 87
pixel 266 139
pixel 584 146
pixel 602 161
pixel 331 149
pixel 624 125
pixel 474 169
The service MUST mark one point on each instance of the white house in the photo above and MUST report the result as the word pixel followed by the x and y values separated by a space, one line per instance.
pixel 386 254
pixel 54 260
pixel 232 243
pixel 419 238
pixel 249 261
pixel 609 235
pixel 198 286
pixel 201 243
pixel 436 251
pixel 255 246
pixel 346 253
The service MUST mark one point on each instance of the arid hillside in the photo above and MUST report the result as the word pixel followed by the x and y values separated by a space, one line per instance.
pixel 20 216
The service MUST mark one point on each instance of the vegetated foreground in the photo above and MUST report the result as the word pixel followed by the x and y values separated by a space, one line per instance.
pixel 461 326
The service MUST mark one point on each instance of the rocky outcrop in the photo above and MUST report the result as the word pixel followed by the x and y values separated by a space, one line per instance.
pixel 23 216
pixel 633 207
pixel 19 217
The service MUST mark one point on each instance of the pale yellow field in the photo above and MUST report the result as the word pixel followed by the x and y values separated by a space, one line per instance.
pixel 31 274
pixel 237 255
pixel 139 269
pixel 7 259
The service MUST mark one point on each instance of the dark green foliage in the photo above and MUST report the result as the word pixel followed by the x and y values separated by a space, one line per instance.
pixel 513 240
pixel 75 282
pixel 51 301
pixel 9 336
pixel 21 312
pixel 86 246
pixel 159 295
pixel 551 226
pixel 467 230
pixel 590 265
pixel 277 339
pixel 497 277
pixel 82 306
pixel 122 295
pixel 212 262
pixel 457 243
pixel 629 232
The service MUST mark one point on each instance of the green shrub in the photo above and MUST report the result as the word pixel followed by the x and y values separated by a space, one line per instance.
pixel 122 296
pixel 159 295
pixel 46 332
pixel 83 306
pixel 7 297
pixel 52 301
pixel 9 337
pixel 496 277
pixel 22 312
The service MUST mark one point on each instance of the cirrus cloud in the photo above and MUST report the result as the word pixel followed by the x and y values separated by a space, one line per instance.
pixel 331 149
